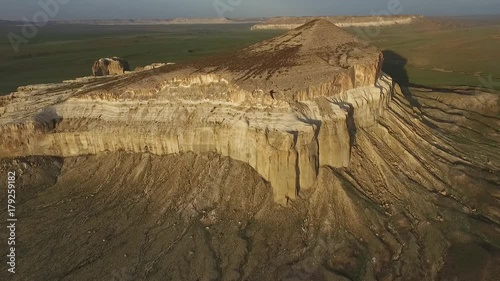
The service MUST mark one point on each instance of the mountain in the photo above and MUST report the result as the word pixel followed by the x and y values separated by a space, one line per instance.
pixel 253 100
pixel 293 159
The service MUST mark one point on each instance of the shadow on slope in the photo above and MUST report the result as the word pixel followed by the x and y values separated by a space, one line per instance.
pixel 395 66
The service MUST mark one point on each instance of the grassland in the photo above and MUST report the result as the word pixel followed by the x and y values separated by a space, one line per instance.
pixel 441 52
pixel 431 53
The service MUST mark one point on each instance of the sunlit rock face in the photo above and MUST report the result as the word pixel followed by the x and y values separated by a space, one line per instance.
pixel 286 106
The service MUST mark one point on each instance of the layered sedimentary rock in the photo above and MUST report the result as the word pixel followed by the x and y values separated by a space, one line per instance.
pixel 393 185
pixel 286 106
pixel 341 21
pixel 419 201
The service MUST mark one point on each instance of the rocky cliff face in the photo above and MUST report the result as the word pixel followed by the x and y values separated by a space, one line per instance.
pixel 418 201
pixel 174 173
pixel 294 109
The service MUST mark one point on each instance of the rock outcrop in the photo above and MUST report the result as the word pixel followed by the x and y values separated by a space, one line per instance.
pixel 110 66
pixel 286 106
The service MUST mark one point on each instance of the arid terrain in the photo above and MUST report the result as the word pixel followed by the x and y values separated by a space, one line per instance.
pixel 296 158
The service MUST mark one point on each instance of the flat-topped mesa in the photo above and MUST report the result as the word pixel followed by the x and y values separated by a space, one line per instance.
pixel 288 23
pixel 285 106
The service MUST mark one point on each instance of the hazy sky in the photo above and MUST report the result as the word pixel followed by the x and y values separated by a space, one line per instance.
pixel 101 9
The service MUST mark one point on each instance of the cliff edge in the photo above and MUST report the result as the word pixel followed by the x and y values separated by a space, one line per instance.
pixel 285 106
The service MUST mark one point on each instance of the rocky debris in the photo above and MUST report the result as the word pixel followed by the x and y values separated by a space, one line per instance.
pixel 110 66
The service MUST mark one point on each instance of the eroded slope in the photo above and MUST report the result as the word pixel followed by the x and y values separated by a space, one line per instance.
pixel 418 201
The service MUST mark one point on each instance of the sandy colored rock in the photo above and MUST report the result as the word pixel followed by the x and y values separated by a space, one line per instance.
pixel 285 106
pixel 110 66
pixel 406 207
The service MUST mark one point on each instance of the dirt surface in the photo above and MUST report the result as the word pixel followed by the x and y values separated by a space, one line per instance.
pixel 419 201
pixel 309 55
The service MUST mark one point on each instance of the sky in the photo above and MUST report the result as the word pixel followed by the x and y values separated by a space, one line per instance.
pixel 125 9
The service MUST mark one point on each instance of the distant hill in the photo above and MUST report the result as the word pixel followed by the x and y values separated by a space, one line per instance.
pixel 161 21
pixel 8 22
pixel 341 21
